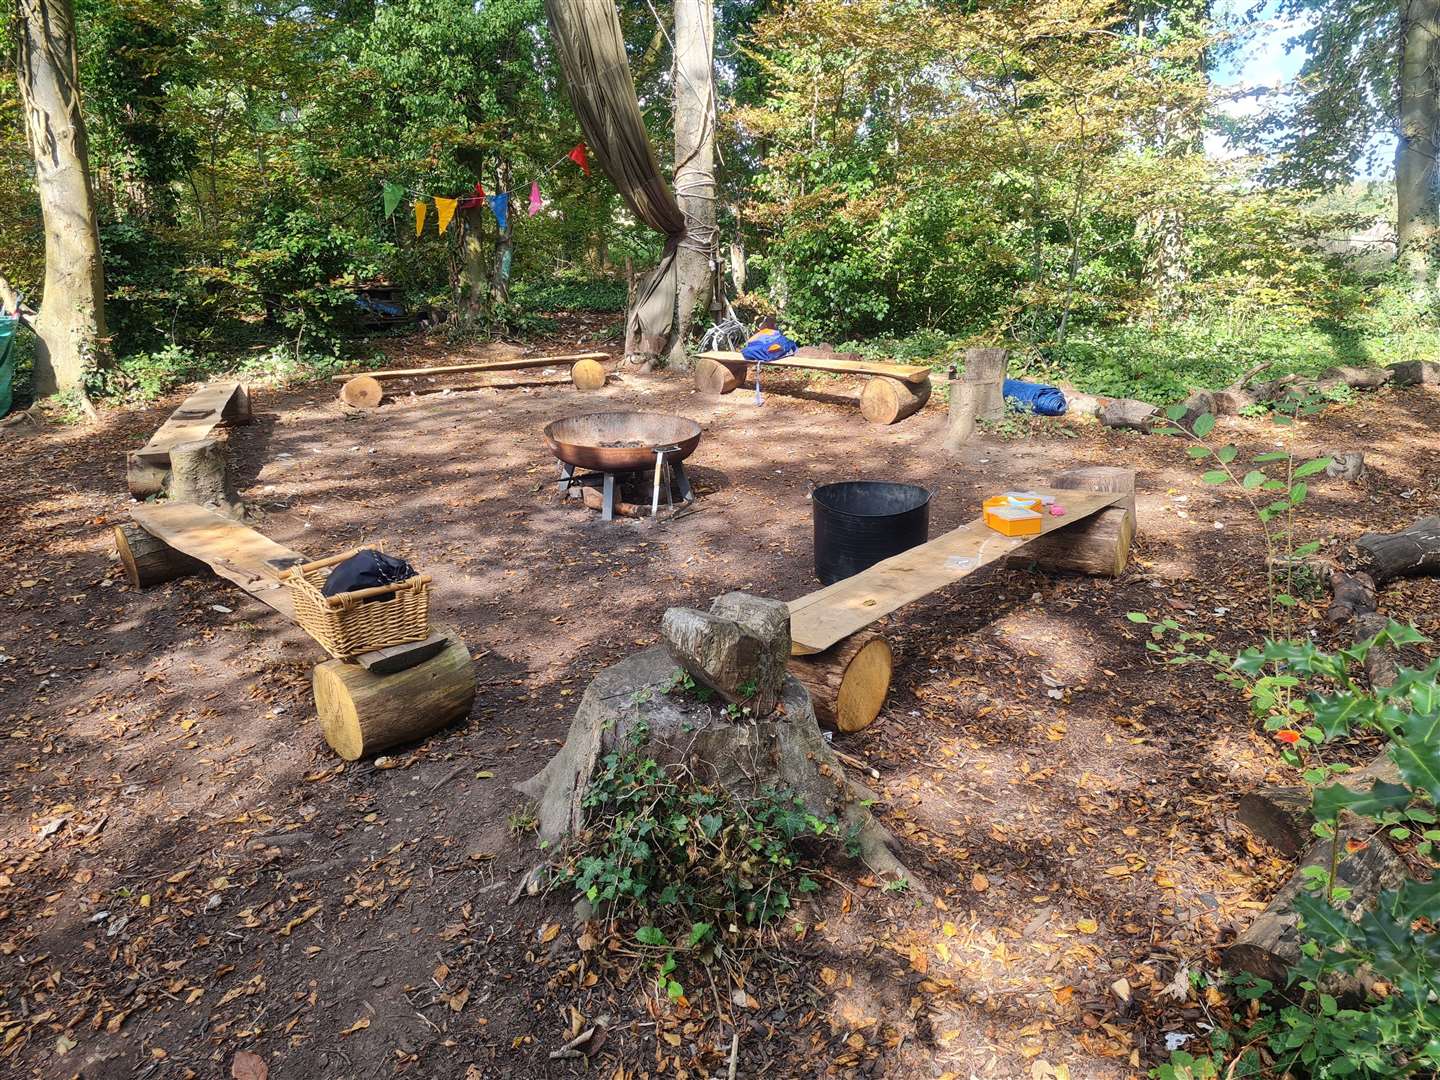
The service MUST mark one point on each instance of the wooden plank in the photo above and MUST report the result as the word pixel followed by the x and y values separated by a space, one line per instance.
pixel 234 551
pixel 395 658
pixel 486 365
pixel 197 416
pixel 904 372
pixel 826 616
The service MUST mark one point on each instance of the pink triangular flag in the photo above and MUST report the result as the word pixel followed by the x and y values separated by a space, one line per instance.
pixel 536 203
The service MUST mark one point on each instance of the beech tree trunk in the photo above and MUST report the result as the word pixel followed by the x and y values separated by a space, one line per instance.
pixel 474 279
pixel 1418 141
pixel 694 164
pixel 504 243
pixel 71 322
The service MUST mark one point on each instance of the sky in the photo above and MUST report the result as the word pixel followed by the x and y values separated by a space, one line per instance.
pixel 1264 61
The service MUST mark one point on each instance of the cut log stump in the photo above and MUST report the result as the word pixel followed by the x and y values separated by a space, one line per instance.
pixel 960 426
pixel 848 682
pixel 986 369
pixel 149 561
pixel 362 392
pixel 588 374
pixel 713 377
pixel 362 713
pixel 200 474
pixel 888 401
pixel 1412 552
pixel 1101 543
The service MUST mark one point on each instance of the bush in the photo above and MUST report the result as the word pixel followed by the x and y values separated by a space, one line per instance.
pixel 570 293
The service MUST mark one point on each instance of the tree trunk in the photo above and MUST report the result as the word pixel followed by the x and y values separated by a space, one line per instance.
pixel 504 243
pixel 474 277
pixel 1418 141
pixel 200 474
pixel 964 397
pixel 986 368
pixel 71 323
pixel 150 561
pixel 694 164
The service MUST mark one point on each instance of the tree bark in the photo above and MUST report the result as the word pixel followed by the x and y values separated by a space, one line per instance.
pixel 1418 141
pixel 986 368
pixel 504 243
pixel 474 280
pixel 71 323
pixel 1412 552
pixel 694 164
pixel 888 401
pixel 150 561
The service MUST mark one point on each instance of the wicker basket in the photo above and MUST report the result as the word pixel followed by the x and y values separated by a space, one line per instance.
pixel 346 625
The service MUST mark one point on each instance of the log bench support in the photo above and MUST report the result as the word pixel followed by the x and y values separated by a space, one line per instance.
pixel 147 470
pixel 1100 544
pixel 847 682
pixel 366 391
pixel 366 705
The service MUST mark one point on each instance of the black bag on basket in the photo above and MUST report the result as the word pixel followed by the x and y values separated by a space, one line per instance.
pixel 365 570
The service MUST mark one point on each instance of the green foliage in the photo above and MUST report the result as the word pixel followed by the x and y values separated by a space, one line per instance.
pixel 687 861
pixel 571 293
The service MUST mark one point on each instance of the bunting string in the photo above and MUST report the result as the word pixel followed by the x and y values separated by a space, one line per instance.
pixel 392 195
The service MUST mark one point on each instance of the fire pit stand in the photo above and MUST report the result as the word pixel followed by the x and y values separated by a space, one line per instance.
pixel 616 445
pixel 609 483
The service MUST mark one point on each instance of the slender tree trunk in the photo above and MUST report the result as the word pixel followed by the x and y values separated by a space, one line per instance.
pixel 694 162
pixel 71 323
pixel 1418 142
pixel 474 278
pixel 504 241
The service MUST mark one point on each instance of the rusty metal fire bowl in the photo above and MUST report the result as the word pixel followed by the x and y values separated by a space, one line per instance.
pixel 620 442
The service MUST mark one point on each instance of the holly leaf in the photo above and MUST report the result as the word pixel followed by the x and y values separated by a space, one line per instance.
pixel 1330 801
pixel 1415 900
pixel 1418 757
pixel 1323 922
pixel 1336 714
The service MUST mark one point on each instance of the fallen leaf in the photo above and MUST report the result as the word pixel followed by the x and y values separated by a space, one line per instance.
pixel 979 883
pixel 64 1044
pixel 550 933
pixel 457 1001
pixel 358 1025
pixel 248 1066
pixel 1086 926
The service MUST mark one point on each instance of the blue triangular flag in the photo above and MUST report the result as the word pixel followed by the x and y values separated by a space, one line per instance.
pixel 500 207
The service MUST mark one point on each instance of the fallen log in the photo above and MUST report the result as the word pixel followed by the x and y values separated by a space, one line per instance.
pixel 848 682
pixel 1271 944
pixel 1280 814
pixel 1130 414
pixel 1415 373
pixel 713 377
pixel 365 391
pixel 888 401
pixel 363 713
pixel 1354 594
pixel 1412 552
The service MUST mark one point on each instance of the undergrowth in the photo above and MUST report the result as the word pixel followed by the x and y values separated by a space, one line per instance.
pixel 692 867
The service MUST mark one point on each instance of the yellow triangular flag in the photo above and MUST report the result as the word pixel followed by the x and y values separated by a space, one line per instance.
pixel 445 210
pixel 420 210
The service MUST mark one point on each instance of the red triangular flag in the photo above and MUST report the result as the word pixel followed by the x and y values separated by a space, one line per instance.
pixel 578 156
pixel 472 201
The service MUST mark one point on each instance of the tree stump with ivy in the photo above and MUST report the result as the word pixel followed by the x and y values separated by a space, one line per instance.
pixel 645 702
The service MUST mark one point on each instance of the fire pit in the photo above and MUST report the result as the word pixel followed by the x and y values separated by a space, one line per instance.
pixel 615 444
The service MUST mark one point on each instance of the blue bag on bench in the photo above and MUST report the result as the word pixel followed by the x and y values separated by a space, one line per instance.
pixel 767 345
pixel 1041 400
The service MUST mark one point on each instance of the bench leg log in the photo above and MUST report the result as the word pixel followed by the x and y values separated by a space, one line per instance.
pixel 847 682
pixel 713 377
pixel 888 401
pixel 145 475
pixel 588 375
pixel 362 392
pixel 149 561
pixel 200 474
pixel 362 713
pixel 1098 545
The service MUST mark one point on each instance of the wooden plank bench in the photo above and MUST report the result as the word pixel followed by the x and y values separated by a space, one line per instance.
pixel 148 469
pixel 892 392
pixel 365 391
pixel 386 697
pixel 847 667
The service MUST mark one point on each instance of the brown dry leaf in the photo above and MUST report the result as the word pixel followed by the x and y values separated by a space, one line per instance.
pixel 587 941
pixel 1086 926
pixel 248 1066
pixel 358 1025
pixel 441 973
pixel 299 920
pixel 457 1001
pixel 979 882
pixel 550 933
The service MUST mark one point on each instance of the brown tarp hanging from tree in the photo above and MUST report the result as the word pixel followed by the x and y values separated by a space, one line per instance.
pixel 592 55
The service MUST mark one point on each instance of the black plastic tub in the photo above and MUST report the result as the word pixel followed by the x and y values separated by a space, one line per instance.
pixel 862 522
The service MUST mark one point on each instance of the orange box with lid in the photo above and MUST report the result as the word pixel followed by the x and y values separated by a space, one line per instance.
pixel 1014 515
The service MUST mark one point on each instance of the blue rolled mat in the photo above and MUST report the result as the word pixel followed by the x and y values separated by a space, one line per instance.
pixel 1042 400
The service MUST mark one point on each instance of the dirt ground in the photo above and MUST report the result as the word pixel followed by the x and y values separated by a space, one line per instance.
pixel 188 873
